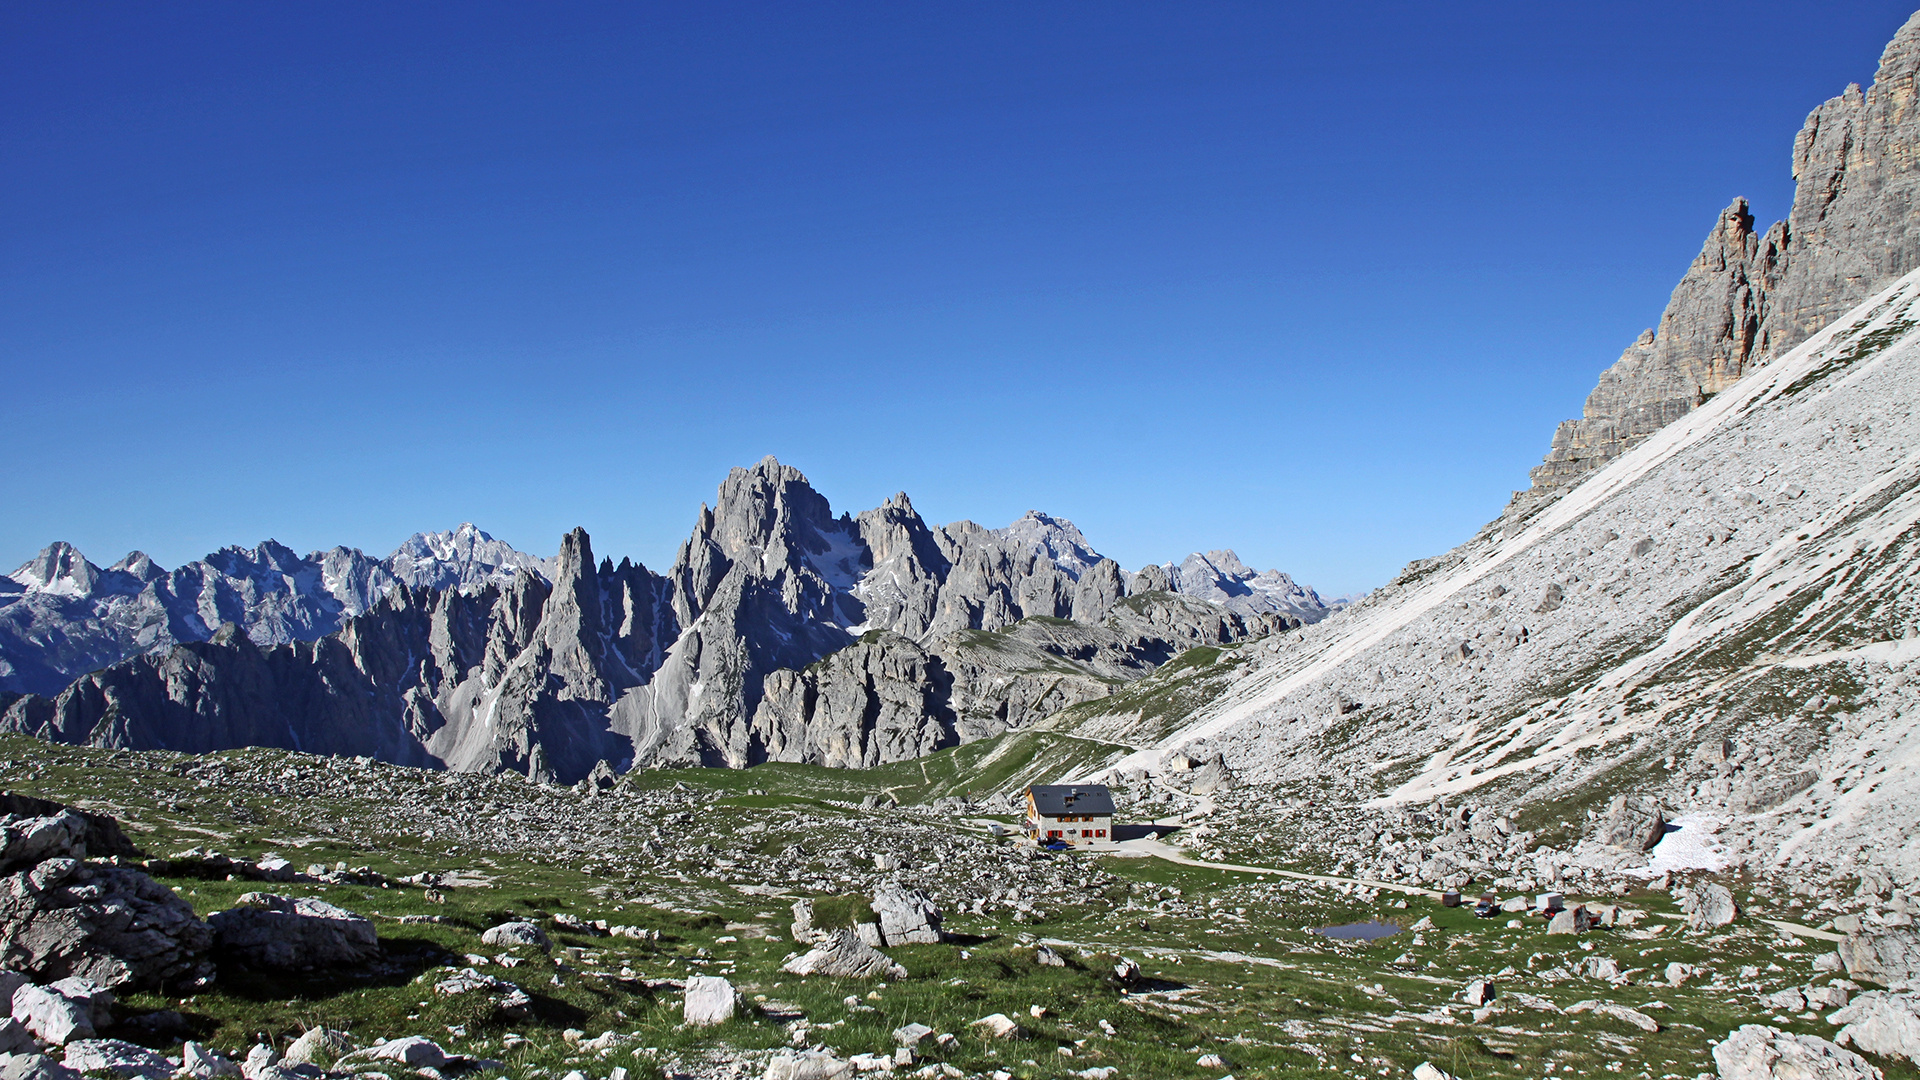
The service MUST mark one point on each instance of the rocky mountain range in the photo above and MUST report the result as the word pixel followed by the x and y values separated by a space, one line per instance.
pixel 1750 297
pixel 61 616
pixel 781 632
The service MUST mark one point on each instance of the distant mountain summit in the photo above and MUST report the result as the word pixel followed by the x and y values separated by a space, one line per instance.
pixel 61 616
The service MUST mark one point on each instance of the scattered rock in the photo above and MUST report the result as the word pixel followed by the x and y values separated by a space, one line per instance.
pixel 264 930
pixel 111 924
pixel 1633 824
pixel 843 955
pixel 415 1051
pixel 1757 1052
pixel 1427 1070
pixel 1478 992
pixel 116 1058
pixel 808 1065
pixel 710 1000
pixel 907 916
pixel 198 1062
pixel 911 1034
pixel 1618 1012
pixel 998 1026
pixel 517 933
pixel 320 1046
pixel 1046 957
pixel 509 1001
pixel 1881 1023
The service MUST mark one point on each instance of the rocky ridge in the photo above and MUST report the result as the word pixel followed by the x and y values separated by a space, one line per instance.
pixel 61 616
pixel 1750 297
pixel 781 632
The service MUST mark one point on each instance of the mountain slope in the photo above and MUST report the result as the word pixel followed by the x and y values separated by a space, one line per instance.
pixel 1744 574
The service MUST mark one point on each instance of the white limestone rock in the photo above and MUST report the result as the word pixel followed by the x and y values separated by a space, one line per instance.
pixel 1757 1052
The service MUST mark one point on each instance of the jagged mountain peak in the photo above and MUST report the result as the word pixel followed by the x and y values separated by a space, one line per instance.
pixel 60 570
pixel 1056 538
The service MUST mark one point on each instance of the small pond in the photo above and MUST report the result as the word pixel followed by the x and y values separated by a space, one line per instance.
pixel 1360 931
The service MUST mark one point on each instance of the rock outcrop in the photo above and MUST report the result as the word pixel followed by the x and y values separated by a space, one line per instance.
pixel 63 917
pixel 283 933
pixel 1749 297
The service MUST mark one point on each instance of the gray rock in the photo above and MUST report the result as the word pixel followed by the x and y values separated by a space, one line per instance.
pixel 51 1016
pixel 34 1067
pixel 1756 1052
pixel 807 1065
pixel 911 1034
pixel 907 916
pixel 516 933
pixel 997 1026
pixel 509 1000
pixel 116 1058
pixel 1882 1023
pixel 1571 920
pixel 843 955
pixel 1709 906
pixel 198 1062
pixel 1046 957
pixel 290 933
pixel 15 1038
pixel 1633 824
pixel 709 1000
pixel 1888 957
pixel 414 1051
pixel 1478 992
pixel 113 925
pixel 320 1046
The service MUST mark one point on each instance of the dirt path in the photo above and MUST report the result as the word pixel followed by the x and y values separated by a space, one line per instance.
pixel 1147 845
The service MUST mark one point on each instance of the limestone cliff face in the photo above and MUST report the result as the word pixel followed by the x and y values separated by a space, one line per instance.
pixel 1748 297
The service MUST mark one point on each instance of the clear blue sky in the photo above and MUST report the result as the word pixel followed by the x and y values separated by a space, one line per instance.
pixel 1313 281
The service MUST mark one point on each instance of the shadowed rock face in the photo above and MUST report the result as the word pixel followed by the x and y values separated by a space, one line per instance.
pixel 1749 297
pixel 714 662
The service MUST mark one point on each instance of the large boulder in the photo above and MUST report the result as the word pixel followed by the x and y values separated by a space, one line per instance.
pixel 52 1016
pixel 516 933
pixel 907 916
pixel 1890 957
pixel 843 955
pixel 1633 823
pixel 1881 1023
pixel 111 924
pixel 1709 906
pixel 1756 1052
pixel 263 930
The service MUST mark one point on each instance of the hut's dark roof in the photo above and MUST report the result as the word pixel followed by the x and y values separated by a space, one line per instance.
pixel 1054 800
